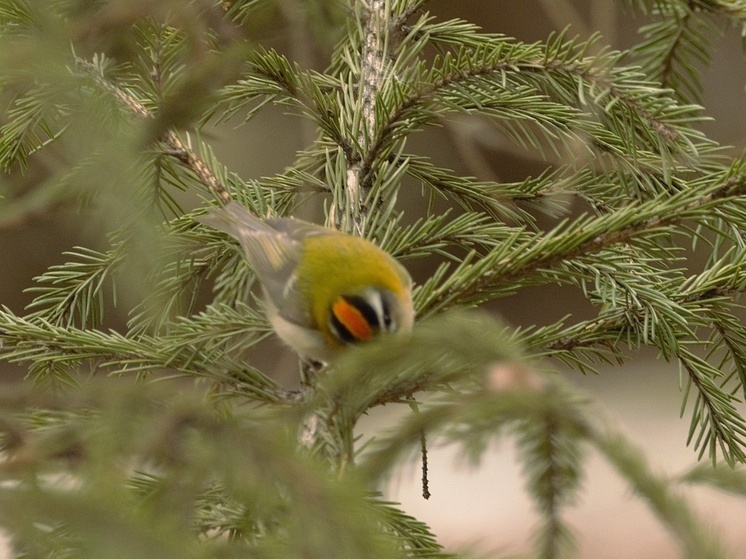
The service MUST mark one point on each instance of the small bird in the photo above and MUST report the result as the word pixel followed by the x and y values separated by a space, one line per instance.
pixel 323 289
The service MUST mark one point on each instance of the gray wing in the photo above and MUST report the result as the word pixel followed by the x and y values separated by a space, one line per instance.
pixel 273 248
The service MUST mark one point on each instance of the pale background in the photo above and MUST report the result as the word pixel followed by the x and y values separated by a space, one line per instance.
pixel 487 509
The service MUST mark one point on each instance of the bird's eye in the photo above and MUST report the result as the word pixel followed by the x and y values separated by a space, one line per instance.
pixel 387 320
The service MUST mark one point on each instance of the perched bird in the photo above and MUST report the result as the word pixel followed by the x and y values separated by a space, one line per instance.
pixel 323 289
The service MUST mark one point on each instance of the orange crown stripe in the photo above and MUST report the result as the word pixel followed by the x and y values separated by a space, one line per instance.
pixel 352 319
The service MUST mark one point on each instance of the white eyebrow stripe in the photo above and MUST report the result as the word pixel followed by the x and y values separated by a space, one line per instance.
pixel 376 302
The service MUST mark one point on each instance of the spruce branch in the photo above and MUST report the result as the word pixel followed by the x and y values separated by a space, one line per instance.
pixel 671 508
pixel 65 350
pixel 679 42
pixel 413 534
pixel 583 237
pixel 372 60
pixel 562 63
pixel 681 36
pixel 507 403
pixel 174 146
pixel 77 292
pixel 188 455
pixel 552 461
pixel 269 78
pixel 732 480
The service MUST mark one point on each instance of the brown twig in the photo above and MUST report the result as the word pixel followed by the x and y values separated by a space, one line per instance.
pixel 174 146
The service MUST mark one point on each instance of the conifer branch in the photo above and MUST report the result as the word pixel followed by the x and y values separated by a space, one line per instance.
pixel 594 74
pixel 64 350
pixel 372 61
pixel 175 147
pixel 586 237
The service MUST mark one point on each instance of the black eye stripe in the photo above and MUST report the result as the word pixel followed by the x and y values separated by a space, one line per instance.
pixel 340 330
pixel 376 316
pixel 365 308
pixel 374 308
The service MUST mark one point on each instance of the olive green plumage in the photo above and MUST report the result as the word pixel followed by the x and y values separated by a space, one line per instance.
pixel 304 269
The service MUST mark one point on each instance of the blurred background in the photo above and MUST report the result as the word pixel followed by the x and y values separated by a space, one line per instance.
pixel 484 508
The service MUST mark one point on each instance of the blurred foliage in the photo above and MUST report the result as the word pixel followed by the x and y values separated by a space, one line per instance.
pixel 104 107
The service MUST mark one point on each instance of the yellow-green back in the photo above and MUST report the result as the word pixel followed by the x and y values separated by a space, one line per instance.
pixel 341 264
